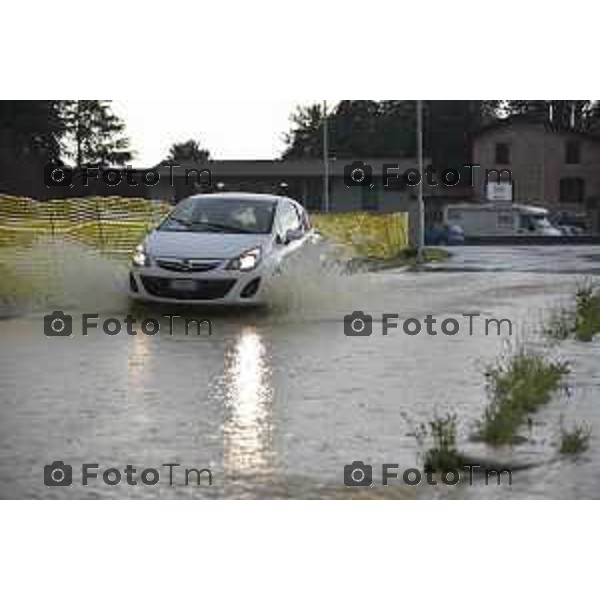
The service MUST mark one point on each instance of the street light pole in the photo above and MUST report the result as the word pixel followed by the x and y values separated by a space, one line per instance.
pixel 325 158
pixel 421 205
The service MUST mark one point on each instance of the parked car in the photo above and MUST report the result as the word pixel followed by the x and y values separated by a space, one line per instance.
pixel 445 235
pixel 218 249
pixel 570 230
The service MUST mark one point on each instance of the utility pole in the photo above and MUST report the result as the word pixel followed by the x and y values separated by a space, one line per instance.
pixel 325 158
pixel 421 205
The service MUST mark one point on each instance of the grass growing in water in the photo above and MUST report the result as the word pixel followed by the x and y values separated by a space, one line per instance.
pixel 560 324
pixel 587 313
pixel 576 440
pixel 583 321
pixel 517 386
pixel 444 453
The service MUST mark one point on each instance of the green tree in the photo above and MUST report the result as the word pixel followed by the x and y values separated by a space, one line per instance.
pixel 190 151
pixel 356 128
pixel 31 128
pixel 94 134
pixel 396 126
pixel 354 125
pixel 564 114
pixel 387 129
pixel 305 139
pixel 450 126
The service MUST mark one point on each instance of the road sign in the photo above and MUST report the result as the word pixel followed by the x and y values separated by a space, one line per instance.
pixel 499 191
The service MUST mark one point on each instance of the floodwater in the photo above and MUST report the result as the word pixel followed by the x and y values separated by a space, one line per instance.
pixel 276 402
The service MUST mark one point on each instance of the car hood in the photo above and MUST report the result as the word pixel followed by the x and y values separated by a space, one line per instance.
pixel 189 244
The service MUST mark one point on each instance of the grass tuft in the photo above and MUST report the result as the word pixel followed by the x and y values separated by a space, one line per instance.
pixel 444 453
pixel 576 440
pixel 581 322
pixel 587 313
pixel 560 325
pixel 517 387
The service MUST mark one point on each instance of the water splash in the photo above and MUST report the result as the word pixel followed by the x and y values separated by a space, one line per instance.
pixel 53 274
pixel 66 275
pixel 316 284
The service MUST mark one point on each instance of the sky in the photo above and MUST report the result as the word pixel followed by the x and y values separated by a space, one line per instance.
pixel 153 125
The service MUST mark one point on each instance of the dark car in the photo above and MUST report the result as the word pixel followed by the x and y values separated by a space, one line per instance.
pixel 445 235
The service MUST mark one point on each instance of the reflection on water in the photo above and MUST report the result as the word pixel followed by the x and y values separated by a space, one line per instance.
pixel 248 397
pixel 138 359
pixel 139 365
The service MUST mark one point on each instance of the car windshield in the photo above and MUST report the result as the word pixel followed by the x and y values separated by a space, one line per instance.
pixel 218 215
pixel 541 221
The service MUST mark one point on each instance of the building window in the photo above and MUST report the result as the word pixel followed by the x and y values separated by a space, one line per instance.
pixel 572 189
pixel 502 154
pixel 572 153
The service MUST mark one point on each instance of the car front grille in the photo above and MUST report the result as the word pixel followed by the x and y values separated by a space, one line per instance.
pixel 204 289
pixel 187 265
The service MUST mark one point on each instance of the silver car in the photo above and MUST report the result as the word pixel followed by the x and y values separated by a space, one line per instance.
pixel 218 249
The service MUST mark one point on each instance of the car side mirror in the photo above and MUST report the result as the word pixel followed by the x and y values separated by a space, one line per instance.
pixel 292 235
pixel 289 236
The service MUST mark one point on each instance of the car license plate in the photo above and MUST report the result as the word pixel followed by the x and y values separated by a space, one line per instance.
pixel 183 285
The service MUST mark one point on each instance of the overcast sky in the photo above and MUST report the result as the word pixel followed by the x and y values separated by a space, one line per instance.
pixel 256 131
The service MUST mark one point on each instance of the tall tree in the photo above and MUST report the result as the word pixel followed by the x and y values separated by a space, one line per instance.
pixel 593 117
pixel 387 128
pixel 396 125
pixel 190 151
pixel 30 135
pixel 356 128
pixel 94 134
pixel 564 114
pixel 305 139
pixel 450 126
pixel 31 127
pixel 353 127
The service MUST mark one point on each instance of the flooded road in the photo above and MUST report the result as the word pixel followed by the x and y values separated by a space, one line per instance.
pixel 275 403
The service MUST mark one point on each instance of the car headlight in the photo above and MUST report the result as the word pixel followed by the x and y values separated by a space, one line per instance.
pixel 140 257
pixel 247 261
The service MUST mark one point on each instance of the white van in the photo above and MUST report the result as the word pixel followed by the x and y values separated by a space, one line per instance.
pixel 499 218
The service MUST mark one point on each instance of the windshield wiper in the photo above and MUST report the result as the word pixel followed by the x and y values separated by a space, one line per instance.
pixel 181 221
pixel 222 227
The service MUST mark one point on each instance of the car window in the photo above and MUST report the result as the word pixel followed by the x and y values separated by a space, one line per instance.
pixel 218 215
pixel 289 219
